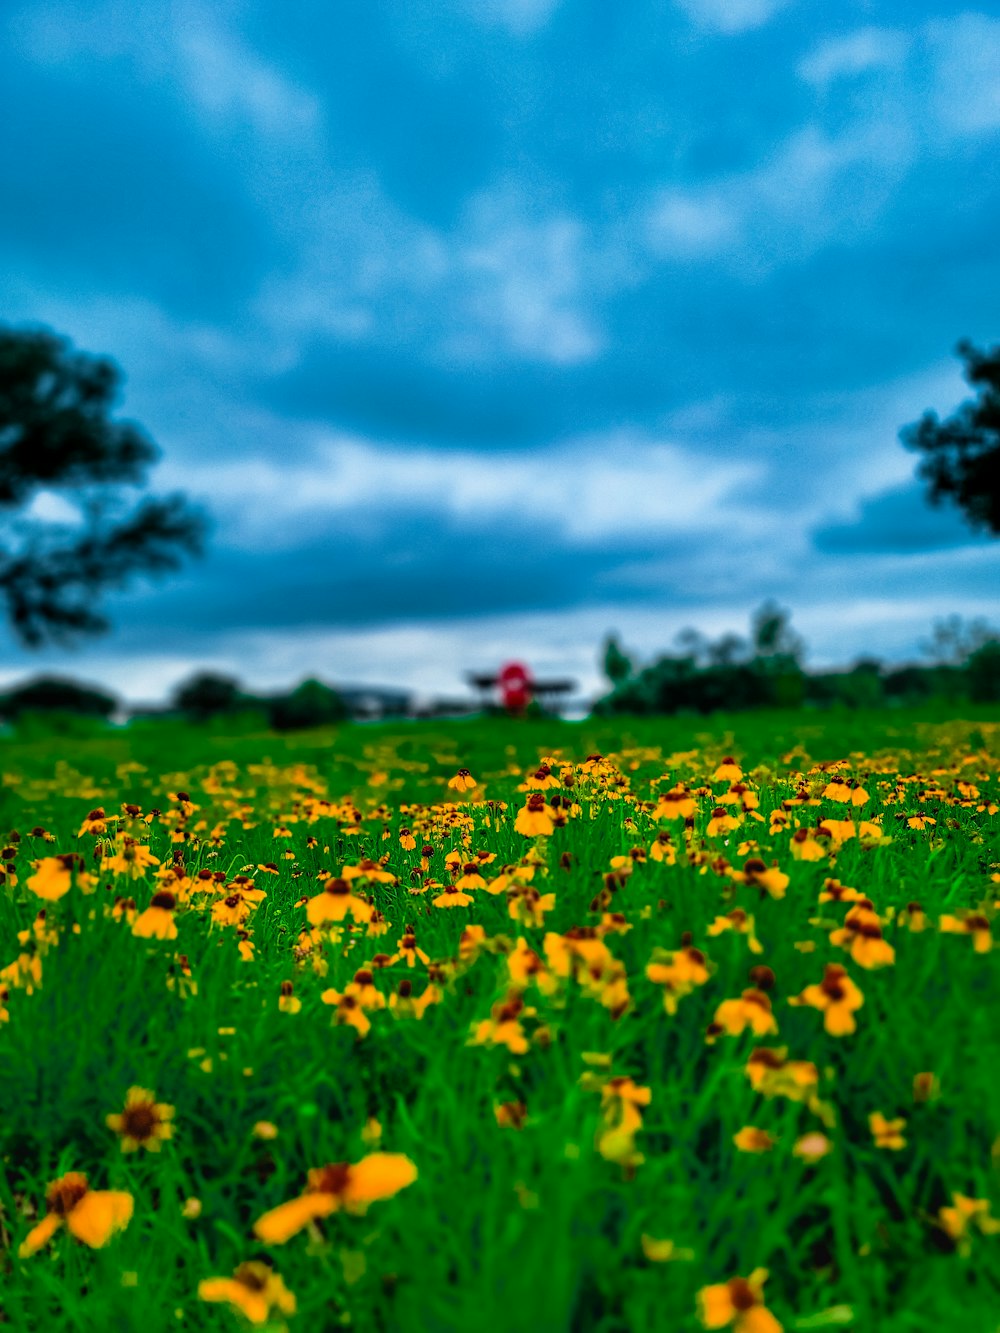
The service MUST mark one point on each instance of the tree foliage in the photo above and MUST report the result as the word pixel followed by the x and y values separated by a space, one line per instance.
pixel 57 435
pixel 47 694
pixel 617 664
pixel 961 455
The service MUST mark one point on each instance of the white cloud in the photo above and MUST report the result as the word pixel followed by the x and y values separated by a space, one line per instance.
pixel 732 16
pixel 812 188
pixel 228 80
pixel 500 281
pixel 524 280
pixel 965 54
pixel 587 491
pixel 685 225
pixel 818 186
pixel 858 52
pixel 180 41
pixel 521 17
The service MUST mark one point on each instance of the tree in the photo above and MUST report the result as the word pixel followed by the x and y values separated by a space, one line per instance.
pixel 617 664
pixel 57 435
pixel 961 459
pixel 983 670
pixel 45 694
pixel 954 640
pixel 311 704
pixel 773 636
pixel 206 694
pixel 727 651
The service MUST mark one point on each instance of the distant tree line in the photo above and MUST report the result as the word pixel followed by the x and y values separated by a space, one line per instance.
pixel 766 671
pixel 205 696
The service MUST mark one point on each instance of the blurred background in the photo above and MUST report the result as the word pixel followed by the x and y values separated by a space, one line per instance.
pixel 484 329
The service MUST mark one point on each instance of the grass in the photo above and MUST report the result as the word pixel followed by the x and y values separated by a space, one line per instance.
pixel 505 1230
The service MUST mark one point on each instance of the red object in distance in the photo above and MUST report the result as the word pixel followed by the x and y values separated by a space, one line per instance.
pixel 515 684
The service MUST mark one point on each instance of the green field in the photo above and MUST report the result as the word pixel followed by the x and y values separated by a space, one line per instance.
pixel 498 1056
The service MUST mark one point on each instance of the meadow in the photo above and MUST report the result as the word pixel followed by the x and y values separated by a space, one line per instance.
pixel 503 1025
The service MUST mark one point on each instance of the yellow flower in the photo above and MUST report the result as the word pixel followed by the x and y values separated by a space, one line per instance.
pixel 728 771
pixel 752 1139
pixel 887 1133
pixel 678 803
pixel 967 923
pixel 503 1028
pixel 677 972
pixel 452 897
pixel 804 846
pixel 662 849
pixel 527 906
pixel 965 1213
pixel 836 997
pixel 233 910
pixel 369 869
pixel 288 1001
pixel 470 877
pixel 53 876
pixel 144 1123
pixel 742 923
pixel 92 1216
pixel 96 823
pixel 837 790
pixel 131 858
pixel 861 934
pixel 773 1075
pixel 157 922
pixel 721 822
pixel 408 949
pixel 838 831
pixel 264 1129
pixel 752 1010
pixel 738 1302
pixel 769 878
pixel 834 891
pixel 462 781
pixel 534 818
pixel 348 1011
pixel 330 1188
pixel 334 903
pixel 255 1290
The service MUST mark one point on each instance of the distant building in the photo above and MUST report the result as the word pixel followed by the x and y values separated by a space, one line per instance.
pixel 513 686
pixel 368 703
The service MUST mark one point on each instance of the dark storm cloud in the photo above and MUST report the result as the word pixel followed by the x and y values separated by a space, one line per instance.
pixel 898 520
pixel 107 189
pixel 429 569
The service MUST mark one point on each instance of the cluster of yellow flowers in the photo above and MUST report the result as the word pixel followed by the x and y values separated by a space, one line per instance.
pixel 445 857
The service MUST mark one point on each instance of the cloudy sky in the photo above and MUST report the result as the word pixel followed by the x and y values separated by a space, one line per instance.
pixel 487 326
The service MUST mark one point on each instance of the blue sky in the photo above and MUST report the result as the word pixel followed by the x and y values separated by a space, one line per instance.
pixel 487 326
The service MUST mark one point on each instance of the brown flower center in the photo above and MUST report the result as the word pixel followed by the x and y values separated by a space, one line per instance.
pixel 64 1194
pixel 140 1121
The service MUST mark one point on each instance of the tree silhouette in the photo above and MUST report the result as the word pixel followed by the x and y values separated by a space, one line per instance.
pixel 57 435
pixel 962 454
pixel 617 664
pixel 774 640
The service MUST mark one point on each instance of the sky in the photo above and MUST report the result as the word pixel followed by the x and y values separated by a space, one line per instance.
pixel 487 327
